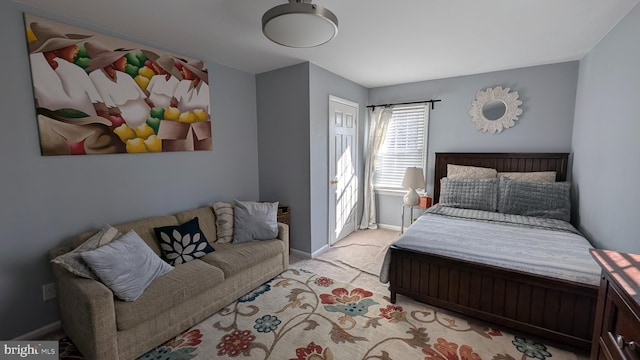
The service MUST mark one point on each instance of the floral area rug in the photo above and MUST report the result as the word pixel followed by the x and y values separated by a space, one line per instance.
pixel 303 316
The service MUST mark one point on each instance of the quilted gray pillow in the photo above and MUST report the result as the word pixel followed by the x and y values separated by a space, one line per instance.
pixel 543 199
pixel 254 221
pixel 478 194
pixel 126 265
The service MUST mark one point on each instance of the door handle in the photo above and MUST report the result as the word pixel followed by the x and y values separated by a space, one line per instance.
pixel 334 181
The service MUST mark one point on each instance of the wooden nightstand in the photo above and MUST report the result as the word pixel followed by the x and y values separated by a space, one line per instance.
pixel 617 327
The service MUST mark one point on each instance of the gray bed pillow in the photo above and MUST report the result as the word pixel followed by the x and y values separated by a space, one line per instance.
pixel 541 199
pixel 478 194
pixel 126 265
pixel 254 221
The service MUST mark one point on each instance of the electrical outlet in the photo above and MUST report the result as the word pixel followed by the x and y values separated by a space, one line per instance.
pixel 48 291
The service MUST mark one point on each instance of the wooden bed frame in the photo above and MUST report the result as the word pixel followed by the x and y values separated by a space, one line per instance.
pixel 554 309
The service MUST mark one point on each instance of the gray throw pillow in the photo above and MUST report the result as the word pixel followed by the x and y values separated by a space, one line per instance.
pixel 254 221
pixel 478 194
pixel 126 265
pixel 542 199
pixel 72 261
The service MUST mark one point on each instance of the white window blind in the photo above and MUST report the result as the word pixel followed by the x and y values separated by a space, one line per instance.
pixel 404 146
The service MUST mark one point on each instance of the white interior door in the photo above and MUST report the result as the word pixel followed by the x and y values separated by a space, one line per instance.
pixel 343 182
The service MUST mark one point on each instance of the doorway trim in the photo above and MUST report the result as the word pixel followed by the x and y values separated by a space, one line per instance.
pixel 331 214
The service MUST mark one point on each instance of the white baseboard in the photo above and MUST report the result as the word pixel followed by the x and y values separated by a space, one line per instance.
pixel 306 255
pixel 319 251
pixel 38 334
pixel 390 227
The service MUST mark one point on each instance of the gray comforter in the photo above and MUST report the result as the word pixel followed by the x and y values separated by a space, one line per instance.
pixel 533 245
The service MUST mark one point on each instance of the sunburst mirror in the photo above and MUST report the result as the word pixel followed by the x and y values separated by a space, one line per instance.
pixel 495 109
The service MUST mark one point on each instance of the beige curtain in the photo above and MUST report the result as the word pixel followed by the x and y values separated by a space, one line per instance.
pixel 379 123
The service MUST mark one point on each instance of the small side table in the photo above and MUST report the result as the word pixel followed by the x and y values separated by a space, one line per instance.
pixel 284 215
pixel 411 207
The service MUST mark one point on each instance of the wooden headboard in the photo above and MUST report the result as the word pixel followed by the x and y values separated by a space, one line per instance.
pixel 502 162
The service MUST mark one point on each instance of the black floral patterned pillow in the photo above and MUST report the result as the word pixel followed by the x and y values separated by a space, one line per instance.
pixel 183 243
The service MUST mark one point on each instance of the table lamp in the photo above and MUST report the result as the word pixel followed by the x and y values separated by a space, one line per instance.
pixel 413 179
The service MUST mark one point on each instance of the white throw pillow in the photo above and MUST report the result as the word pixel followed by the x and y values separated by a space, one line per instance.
pixel 126 265
pixel 536 176
pixel 72 261
pixel 470 172
pixel 224 221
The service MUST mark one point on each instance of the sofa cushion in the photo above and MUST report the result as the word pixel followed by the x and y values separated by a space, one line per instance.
pixel 182 243
pixel 126 265
pixel 168 292
pixel 72 261
pixel 233 258
pixel 207 221
pixel 254 221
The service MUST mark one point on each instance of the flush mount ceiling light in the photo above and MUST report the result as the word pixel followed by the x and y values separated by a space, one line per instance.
pixel 299 24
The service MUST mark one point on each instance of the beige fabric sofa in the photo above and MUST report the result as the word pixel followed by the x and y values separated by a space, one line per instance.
pixel 104 327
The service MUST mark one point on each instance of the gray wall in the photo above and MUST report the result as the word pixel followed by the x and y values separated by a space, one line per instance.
pixel 606 139
pixel 47 200
pixel 293 137
pixel 283 145
pixel 548 96
pixel 322 84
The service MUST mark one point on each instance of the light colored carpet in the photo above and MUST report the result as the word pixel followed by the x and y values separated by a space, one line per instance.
pixel 303 316
pixel 355 260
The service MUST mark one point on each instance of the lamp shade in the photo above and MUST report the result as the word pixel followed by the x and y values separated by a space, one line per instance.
pixel 299 24
pixel 413 178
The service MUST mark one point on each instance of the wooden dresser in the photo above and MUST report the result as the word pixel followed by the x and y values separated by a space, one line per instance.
pixel 617 326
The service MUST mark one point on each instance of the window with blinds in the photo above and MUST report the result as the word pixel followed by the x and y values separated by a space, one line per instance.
pixel 404 146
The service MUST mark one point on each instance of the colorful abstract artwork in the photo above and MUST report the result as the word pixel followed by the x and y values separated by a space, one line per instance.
pixel 96 94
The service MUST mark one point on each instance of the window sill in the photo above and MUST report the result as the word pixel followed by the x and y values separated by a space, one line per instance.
pixel 395 192
pixel 391 192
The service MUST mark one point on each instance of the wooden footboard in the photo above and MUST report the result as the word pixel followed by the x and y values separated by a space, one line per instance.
pixel 554 309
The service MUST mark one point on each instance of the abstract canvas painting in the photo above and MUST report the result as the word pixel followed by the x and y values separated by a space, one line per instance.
pixel 97 94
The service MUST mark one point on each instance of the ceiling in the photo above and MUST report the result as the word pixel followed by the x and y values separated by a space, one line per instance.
pixel 379 43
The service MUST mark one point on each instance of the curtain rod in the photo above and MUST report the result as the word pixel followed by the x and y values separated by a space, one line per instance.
pixel 408 103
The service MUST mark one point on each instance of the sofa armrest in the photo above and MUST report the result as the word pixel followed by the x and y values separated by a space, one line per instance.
pixel 87 313
pixel 283 234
